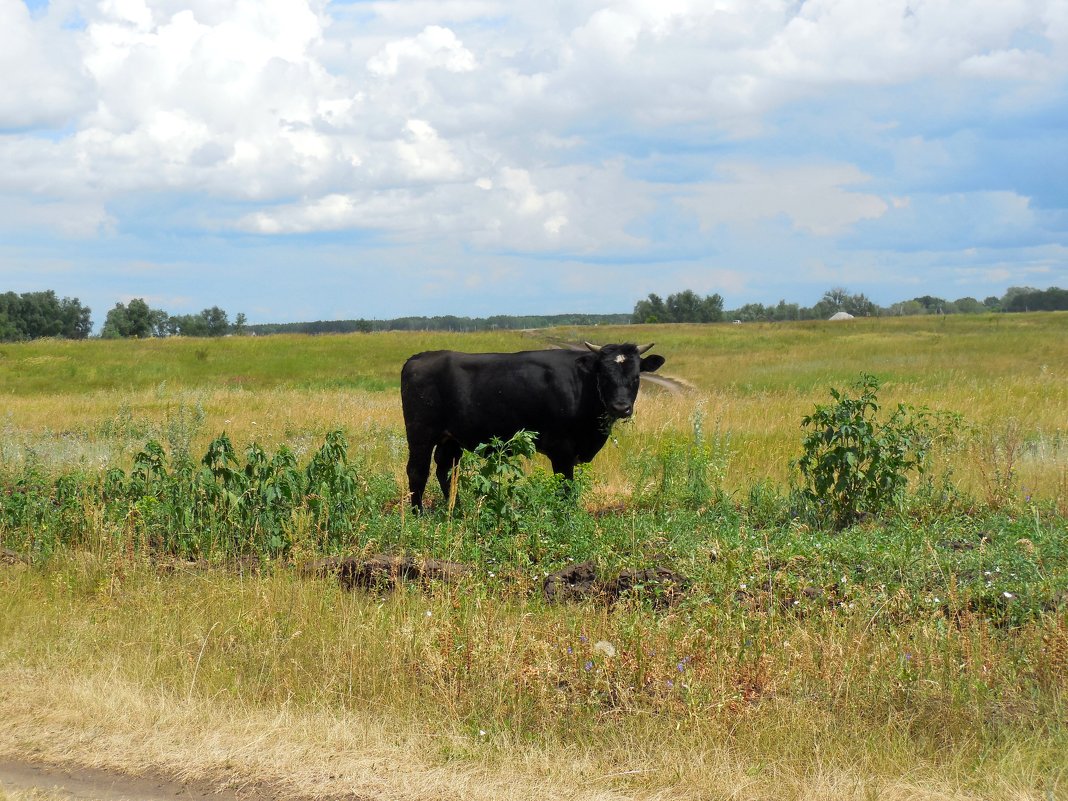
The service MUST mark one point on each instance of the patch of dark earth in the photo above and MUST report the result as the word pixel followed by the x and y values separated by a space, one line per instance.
pixel 95 784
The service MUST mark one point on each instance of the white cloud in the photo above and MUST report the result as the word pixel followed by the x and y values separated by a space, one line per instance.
pixel 434 47
pixel 579 209
pixel 42 81
pixel 548 128
pixel 813 198
pixel 425 156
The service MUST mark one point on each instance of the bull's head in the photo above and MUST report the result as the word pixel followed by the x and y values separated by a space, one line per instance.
pixel 618 370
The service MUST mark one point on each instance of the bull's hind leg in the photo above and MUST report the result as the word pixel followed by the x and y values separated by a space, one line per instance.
pixel 446 457
pixel 418 471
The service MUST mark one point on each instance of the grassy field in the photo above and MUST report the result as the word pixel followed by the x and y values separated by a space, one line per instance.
pixel 150 621
pixel 96 403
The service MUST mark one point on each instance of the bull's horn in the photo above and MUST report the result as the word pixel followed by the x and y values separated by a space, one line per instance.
pixel 591 346
pixel 643 348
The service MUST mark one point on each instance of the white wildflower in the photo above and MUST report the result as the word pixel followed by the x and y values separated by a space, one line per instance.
pixel 605 647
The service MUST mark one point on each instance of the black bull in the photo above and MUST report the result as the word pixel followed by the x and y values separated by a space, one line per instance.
pixel 456 401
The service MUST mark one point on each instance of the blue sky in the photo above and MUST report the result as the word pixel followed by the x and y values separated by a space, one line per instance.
pixel 303 159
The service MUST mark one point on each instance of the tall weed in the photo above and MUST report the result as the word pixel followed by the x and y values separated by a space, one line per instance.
pixel 683 471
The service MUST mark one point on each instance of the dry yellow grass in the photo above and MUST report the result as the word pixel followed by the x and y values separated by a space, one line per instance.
pixel 102 721
pixel 276 680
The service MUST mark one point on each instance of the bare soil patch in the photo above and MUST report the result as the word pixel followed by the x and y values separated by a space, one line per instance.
pixel 92 784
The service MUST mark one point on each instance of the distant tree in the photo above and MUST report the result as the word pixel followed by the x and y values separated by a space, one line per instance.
pixel 139 319
pixel 968 305
pixel 682 307
pixel 860 306
pixel 650 310
pixel 786 311
pixel 159 321
pixel 712 308
pixel 240 323
pixel 837 297
pixel 1052 299
pixel 1013 292
pixel 188 325
pixel 831 303
pixel 135 319
pixel 77 323
pixel 751 313
pixel 8 330
pixel 216 322
pixel 32 315
pixel 907 308
pixel 117 323
pixel 932 304
pixel 992 303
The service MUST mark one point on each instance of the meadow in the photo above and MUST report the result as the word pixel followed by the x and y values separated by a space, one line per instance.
pixel 154 616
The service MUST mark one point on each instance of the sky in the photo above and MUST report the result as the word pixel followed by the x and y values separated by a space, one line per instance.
pixel 317 159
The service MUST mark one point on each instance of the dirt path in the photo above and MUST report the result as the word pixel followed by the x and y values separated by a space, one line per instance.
pixel 90 784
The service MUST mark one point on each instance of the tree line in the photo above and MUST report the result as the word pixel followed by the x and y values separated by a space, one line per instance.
pixel 33 315
pixel 688 307
pixel 138 319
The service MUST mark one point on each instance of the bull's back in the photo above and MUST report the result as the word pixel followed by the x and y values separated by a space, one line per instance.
pixel 476 396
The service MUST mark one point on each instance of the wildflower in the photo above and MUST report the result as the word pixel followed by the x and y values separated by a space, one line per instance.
pixel 428 613
pixel 669 684
pixel 481 732
pixel 588 665
pixel 605 647
pixel 1008 595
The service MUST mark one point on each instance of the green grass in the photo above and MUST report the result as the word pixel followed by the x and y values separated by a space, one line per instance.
pixel 921 652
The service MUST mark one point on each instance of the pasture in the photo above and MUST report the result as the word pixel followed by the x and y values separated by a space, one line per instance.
pixel 154 617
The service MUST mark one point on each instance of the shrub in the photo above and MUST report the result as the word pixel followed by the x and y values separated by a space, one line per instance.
pixel 854 464
pixel 494 474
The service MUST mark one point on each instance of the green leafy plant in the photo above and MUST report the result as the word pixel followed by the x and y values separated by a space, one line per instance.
pixel 856 464
pixel 494 474
pixel 234 506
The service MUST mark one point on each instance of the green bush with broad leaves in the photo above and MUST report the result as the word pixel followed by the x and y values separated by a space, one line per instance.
pixel 855 463
pixel 494 475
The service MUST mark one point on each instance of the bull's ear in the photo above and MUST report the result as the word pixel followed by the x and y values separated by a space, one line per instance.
pixel 650 364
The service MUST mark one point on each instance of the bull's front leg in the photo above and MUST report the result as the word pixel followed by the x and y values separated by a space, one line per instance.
pixel 564 465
